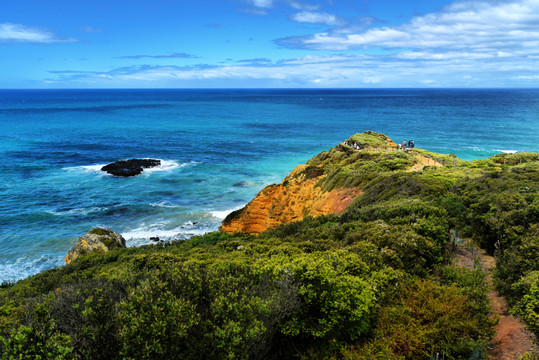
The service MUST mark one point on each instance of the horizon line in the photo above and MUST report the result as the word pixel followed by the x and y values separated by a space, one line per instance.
pixel 281 88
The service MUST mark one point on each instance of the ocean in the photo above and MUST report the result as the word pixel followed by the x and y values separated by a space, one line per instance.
pixel 218 149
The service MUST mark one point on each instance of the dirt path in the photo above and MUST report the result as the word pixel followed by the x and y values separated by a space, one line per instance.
pixel 423 161
pixel 511 339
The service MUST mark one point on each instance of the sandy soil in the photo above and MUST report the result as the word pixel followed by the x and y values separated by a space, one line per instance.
pixel 424 161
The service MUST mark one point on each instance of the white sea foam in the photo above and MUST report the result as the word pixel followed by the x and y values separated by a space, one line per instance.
pixel 166 165
pixel 78 211
pixel 142 235
pixel 165 204
pixel 508 151
pixel 92 168
pixel 86 168
pixel 26 266
pixel 223 214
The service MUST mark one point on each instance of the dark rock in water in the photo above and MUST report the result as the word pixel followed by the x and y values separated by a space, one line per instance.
pixel 154 238
pixel 241 184
pixel 130 167
pixel 96 240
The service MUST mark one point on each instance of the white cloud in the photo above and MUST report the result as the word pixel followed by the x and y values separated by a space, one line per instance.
pixel 428 55
pixel 469 26
pixel 320 70
pixel 345 70
pixel 321 59
pixel 21 33
pixel 372 80
pixel 467 44
pixel 528 77
pixel 262 3
pixel 316 18
pixel 301 6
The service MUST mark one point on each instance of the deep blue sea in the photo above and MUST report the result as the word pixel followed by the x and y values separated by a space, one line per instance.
pixel 218 147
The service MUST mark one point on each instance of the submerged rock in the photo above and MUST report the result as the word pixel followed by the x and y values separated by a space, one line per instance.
pixel 241 184
pixel 130 167
pixel 96 240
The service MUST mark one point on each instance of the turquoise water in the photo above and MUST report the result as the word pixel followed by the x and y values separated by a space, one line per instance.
pixel 219 148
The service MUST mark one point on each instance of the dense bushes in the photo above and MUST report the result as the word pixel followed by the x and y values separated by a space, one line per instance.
pixel 526 299
pixel 500 209
pixel 429 318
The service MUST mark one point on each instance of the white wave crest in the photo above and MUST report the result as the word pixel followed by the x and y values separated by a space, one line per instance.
pixel 93 168
pixel 27 266
pixel 142 235
pixel 78 211
pixel 508 151
pixel 165 204
pixel 86 168
pixel 223 214
pixel 166 165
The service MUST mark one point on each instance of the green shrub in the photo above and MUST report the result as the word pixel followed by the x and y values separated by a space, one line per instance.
pixel 428 319
pixel 29 343
pixel 526 292
pixel 153 322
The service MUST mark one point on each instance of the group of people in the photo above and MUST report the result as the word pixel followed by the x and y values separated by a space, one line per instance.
pixel 406 145
pixel 354 145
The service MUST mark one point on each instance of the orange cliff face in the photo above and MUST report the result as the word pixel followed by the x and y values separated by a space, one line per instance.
pixel 325 185
pixel 292 200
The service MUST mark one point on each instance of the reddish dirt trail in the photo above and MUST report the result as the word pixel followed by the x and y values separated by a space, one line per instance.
pixel 511 339
pixel 424 161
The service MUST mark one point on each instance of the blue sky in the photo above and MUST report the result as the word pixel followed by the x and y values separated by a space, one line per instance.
pixel 268 43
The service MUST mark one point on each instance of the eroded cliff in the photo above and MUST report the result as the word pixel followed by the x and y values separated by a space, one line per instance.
pixel 292 200
pixel 326 184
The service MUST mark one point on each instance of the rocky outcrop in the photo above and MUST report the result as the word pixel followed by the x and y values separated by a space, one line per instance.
pixel 96 240
pixel 295 198
pixel 130 167
pixel 326 184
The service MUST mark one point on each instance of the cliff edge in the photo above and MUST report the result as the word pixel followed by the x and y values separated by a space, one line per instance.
pixel 326 184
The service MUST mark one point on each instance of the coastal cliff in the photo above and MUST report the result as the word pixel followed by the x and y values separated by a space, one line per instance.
pixel 393 269
pixel 295 198
pixel 326 184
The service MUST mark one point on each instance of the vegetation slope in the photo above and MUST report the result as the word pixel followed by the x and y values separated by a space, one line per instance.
pixel 373 282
